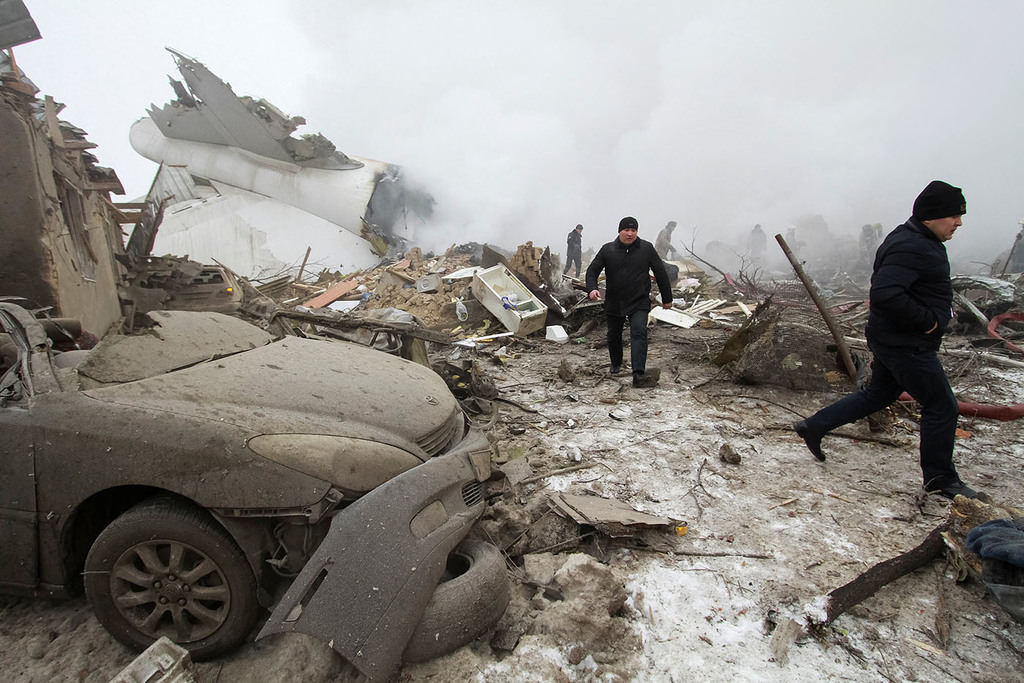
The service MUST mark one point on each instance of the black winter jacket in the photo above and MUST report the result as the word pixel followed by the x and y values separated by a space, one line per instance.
pixel 910 289
pixel 627 276
pixel 574 242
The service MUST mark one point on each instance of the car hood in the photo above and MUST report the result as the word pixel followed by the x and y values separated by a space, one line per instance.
pixel 303 386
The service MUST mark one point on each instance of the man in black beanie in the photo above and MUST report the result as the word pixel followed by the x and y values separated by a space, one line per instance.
pixel 628 262
pixel 911 307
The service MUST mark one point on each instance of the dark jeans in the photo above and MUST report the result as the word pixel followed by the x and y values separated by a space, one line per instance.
pixel 573 258
pixel 920 374
pixel 637 340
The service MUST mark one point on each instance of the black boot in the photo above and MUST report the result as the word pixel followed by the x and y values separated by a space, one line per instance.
pixel 953 488
pixel 648 379
pixel 812 440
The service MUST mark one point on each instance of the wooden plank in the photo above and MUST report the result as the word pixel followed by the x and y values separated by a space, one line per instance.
pixel 130 217
pixel 78 144
pixel 52 124
pixel 332 294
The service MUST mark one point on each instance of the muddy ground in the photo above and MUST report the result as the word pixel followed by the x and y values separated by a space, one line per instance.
pixel 765 537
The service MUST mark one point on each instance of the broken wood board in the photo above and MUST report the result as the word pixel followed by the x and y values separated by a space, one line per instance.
pixel 611 517
pixel 333 293
pixel 705 306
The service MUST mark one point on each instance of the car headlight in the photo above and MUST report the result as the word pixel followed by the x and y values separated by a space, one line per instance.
pixel 354 465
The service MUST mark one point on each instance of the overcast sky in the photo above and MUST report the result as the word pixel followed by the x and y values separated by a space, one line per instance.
pixel 527 117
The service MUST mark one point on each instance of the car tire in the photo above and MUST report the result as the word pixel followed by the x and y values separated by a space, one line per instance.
pixel 167 568
pixel 464 605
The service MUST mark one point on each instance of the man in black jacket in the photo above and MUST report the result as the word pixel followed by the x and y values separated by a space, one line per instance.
pixel 911 307
pixel 574 249
pixel 628 262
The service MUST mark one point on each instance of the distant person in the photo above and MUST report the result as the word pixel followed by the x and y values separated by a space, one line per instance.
pixel 628 262
pixel 1015 259
pixel 911 300
pixel 574 249
pixel 868 240
pixel 757 243
pixel 663 243
pixel 794 246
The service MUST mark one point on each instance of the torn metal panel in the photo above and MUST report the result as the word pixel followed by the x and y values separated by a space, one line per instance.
pixel 245 147
pixel 16 24
pixel 609 516
pixel 173 184
pixel 209 111
pixel 367 586
pixel 987 292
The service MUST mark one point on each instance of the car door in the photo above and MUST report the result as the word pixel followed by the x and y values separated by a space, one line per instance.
pixel 18 519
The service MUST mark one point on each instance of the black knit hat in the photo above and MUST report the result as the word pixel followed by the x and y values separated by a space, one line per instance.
pixel 939 200
pixel 628 223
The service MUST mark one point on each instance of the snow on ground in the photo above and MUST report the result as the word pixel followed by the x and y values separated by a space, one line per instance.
pixel 767 538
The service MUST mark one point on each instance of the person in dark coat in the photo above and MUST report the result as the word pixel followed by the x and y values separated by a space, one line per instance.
pixel 911 301
pixel 574 249
pixel 628 262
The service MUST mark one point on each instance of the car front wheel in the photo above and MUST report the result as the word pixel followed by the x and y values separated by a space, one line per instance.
pixel 166 568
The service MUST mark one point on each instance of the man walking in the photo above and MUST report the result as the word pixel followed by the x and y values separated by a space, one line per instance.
pixel 663 243
pixel 574 249
pixel 911 301
pixel 627 263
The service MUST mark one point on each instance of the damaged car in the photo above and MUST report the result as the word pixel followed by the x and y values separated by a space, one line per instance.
pixel 185 476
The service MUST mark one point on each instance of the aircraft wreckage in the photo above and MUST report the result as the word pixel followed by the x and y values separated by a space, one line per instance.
pixel 237 186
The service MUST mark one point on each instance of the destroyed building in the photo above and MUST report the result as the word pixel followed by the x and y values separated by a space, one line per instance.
pixel 60 230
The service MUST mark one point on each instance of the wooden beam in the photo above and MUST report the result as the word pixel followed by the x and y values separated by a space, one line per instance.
pixel 77 144
pixel 50 109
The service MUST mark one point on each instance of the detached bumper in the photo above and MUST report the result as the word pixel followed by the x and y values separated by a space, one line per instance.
pixel 366 587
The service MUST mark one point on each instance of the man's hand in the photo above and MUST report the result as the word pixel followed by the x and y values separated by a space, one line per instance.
pixel 594 295
pixel 668 305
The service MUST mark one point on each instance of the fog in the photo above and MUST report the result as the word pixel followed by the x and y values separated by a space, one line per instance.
pixel 526 118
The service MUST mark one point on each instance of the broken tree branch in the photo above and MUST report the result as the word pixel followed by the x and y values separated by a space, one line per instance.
pixel 846 435
pixel 700 553
pixel 564 470
pixel 837 335
pixel 881 574
pixel 516 404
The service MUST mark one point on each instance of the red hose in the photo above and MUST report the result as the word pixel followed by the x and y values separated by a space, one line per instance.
pixel 967 409
pixel 994 323
pixel 1002 413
